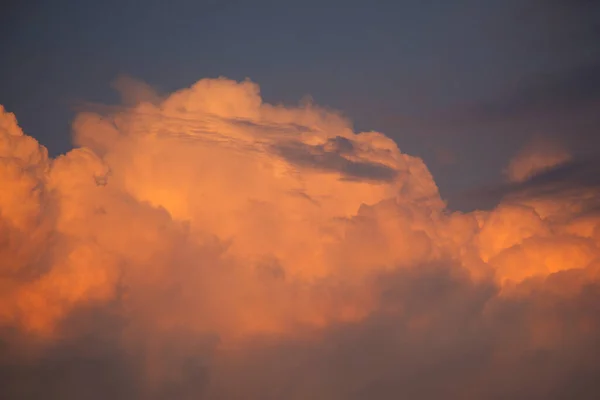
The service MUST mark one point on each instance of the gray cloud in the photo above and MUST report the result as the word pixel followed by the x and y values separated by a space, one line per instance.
pixel 570 178
pixel 331 157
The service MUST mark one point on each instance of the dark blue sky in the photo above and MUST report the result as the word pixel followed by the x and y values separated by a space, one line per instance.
pixel 462 83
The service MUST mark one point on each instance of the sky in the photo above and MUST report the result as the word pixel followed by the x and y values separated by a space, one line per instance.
pixel 448 81
pixel 318 199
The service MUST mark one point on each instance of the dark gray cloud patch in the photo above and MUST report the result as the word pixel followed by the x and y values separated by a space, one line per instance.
pixel 340 145
pixel 332 157
pixel 269 128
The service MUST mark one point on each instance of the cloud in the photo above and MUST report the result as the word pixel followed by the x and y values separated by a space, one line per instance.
pixel 538 156
pixel 209 245
pixel 332 156
pixel 545 174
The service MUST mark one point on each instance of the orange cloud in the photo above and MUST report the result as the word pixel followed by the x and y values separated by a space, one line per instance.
pixel 211 214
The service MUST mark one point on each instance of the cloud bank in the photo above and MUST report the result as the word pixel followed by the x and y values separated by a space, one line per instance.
pixel 208 245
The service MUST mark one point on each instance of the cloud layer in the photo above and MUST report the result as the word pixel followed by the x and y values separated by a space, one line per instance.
pixel 205 244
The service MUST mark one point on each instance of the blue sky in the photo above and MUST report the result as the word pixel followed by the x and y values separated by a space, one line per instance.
pixel 463 84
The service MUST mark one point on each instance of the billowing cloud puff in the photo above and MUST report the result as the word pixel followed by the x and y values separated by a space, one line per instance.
pixel 208 245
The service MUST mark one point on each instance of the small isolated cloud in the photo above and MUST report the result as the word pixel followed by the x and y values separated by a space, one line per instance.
pixel 538 156
pixel 209 245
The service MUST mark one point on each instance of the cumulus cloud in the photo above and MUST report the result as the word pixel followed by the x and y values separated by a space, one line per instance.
pixel 206 244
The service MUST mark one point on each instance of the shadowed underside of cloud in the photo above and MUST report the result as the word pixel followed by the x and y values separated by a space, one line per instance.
pixel 207 245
